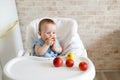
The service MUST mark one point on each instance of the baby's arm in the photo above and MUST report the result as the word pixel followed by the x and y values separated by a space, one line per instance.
pixel 57 48
pixel 41 50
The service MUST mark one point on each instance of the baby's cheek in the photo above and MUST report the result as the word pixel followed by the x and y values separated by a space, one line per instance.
pixel 46 36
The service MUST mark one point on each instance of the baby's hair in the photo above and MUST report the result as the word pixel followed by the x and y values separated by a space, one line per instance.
pixel 45 21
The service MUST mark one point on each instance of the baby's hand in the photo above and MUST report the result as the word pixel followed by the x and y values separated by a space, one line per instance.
pixel 48 41
pixel 56 48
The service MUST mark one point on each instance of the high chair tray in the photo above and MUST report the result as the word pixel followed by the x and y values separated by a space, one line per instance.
pixel 37 68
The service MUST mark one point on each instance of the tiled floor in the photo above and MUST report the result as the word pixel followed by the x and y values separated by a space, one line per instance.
pixel 107 75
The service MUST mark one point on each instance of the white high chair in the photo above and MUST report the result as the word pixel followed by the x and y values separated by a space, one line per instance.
pixel 37 68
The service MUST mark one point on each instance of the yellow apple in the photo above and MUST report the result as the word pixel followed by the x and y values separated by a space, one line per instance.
pixel 71 56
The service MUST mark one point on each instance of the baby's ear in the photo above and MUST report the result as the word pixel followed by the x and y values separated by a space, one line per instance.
pixel 39 33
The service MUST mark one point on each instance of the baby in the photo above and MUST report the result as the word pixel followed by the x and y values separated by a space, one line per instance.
pixel 47 45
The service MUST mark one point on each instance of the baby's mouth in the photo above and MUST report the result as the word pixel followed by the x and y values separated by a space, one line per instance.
pixel 51 38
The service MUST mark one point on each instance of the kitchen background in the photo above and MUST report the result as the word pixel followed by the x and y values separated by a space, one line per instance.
pixel 98 20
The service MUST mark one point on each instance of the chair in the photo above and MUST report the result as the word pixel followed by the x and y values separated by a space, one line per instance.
pixel 66 32
pixel 70 42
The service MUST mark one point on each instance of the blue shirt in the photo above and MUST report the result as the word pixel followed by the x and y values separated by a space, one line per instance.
pixel 49 52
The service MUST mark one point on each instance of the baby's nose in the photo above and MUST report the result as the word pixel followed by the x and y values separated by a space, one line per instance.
pixel 51 34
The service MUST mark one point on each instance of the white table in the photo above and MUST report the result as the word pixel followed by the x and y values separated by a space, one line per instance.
pixel 37 68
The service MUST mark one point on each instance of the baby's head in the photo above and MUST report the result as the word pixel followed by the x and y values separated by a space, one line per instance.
pixel 47 29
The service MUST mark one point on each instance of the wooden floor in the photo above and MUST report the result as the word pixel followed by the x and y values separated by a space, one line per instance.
pixel 107 75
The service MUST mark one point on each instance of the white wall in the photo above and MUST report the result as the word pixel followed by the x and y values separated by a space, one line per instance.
pixel 12 43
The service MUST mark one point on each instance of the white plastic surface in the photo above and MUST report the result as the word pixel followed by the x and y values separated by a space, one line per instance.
pixel 36 68
pixel 11 43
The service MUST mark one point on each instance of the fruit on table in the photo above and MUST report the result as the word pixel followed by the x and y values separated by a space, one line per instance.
pixel 57 62
pixel 69 62
pixel 83 66
pixel 53 40
pixel 71 56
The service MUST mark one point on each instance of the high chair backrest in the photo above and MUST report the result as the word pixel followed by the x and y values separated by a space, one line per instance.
pixel 66 33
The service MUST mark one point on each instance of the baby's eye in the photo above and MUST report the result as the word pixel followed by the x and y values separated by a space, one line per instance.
pixel 48 32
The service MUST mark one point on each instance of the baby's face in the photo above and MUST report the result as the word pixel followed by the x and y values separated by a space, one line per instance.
pixel 48 31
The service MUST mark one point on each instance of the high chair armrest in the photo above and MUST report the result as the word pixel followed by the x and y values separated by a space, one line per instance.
pixel 20 53
pixel 24 53
pixel 84 54
pixel 27 53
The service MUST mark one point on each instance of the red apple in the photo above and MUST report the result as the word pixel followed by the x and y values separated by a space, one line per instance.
pixel 57 62
pixel 69 62
pixel 83 66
